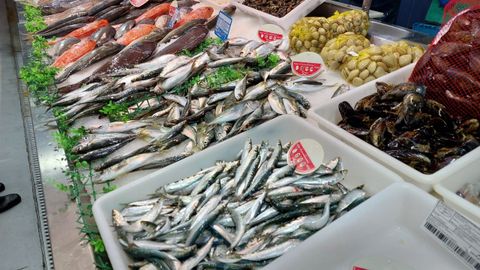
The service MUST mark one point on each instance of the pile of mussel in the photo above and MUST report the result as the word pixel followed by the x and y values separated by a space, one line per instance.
pixel 400 121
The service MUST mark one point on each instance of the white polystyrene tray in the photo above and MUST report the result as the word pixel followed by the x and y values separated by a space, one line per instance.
pixel 361 171
pixel 448 188
pixel 286 21
pixel 218 3
pixel 387 226
pixel 327 116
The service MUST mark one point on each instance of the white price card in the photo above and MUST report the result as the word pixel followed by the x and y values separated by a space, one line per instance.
pixel 455 233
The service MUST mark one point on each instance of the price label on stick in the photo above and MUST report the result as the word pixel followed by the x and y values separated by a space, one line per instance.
pixel 138 3
pixel 307 64
pixel 270 32
pixel 306 155
pixel 224 24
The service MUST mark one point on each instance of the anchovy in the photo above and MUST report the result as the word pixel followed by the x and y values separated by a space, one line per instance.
pixel 208 218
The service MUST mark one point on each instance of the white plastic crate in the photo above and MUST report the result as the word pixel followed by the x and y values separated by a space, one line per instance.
pixel 327 116
pixel 286 21
pixel 387 227
pixel 218 3
pixel 361 171
pixel 448 188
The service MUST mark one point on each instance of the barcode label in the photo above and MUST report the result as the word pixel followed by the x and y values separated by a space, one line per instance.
pixel 453 246
pixel 456 233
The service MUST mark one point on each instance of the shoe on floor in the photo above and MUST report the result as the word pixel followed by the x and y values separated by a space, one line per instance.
pixel 9 201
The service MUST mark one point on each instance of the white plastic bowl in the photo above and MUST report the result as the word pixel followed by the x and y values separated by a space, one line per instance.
pixel 362 170
pixel 327 116
pixel 448 188
pixel 302 10
pixel 387 226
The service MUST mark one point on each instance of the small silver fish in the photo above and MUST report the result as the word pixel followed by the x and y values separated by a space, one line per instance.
pixel 342 89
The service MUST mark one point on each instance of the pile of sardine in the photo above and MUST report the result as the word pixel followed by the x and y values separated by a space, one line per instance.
pixel 193 122
pixel 237 214
pixel 420 132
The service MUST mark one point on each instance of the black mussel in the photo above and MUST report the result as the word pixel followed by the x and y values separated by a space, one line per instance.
pixel 366 103
pixel 426 132
pixel 437 109
pixel 389 105
pixel 362 133
pixel 418 131
pixel 391 126
pixel 470 126
pixel 412 103
pixel 346 110
pixel 445 140
pixel 383 88
pixel 103 35
pixel 383 109
pixel 350 116
pixel 470 143
pixel 406 143
pixel 440 124
pixel 445 162
pixel 422 148
pixel 377 133
pixel 449 151
pixel 412 158
pixel 399 91
pixel 419 135
pixel 420 119
pixel 411 134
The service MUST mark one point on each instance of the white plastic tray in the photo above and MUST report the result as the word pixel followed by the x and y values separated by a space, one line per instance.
pixel 286 21
pixel 387 226
pixel 362 170
pixel 327 117
pixel 448 188
pixel 218 3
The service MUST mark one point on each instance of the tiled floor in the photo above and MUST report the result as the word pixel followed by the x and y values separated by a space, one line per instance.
pixel 19 235
pixel 20 246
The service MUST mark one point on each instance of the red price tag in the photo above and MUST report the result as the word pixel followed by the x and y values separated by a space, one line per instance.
pixel 299 157
pixel 305 68
pixel 270 32
pixel 138 3
pixel 269 36
pixel 306 155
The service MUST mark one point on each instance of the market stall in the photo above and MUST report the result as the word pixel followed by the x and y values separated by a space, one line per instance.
pixel 248 134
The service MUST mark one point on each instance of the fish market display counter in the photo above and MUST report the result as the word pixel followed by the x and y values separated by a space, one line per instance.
pixel 183 151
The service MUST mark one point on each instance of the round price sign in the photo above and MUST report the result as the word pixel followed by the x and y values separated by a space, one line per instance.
pixel 306 155
pixel 307 64
pixel 270 32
